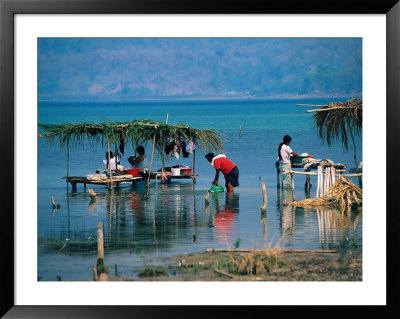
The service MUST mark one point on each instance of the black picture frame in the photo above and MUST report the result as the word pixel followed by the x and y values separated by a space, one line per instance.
pixel 8 8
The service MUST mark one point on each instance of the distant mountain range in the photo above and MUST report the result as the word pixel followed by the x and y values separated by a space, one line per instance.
pixel 123 68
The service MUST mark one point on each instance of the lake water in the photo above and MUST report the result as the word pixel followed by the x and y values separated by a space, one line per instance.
pixel 143 226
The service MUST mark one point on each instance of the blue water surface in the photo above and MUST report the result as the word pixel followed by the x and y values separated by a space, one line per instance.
pixel 142 226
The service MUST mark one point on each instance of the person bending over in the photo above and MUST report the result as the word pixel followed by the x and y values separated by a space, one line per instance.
pixel 228 169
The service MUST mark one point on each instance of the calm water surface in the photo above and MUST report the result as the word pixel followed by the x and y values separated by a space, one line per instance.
pixel 143 226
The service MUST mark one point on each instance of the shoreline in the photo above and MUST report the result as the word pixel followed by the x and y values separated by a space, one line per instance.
pixel 281 267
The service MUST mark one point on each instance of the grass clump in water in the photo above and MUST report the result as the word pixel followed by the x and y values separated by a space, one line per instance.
pixel 153 272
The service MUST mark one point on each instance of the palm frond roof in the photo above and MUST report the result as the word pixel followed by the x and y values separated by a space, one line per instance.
pixel 136 130
pixel 337 119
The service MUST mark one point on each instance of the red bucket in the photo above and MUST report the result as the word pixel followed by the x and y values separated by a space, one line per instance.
pixel 186 171
pixel 133 171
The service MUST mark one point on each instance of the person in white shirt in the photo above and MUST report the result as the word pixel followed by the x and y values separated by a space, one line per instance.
pixel 114 160
pixel 284 153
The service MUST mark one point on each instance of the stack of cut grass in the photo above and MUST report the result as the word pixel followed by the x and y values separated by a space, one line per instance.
pixel 342 194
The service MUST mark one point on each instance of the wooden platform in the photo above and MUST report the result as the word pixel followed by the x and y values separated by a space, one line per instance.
pixel 316 164
pixel 157 175
pixel 116 180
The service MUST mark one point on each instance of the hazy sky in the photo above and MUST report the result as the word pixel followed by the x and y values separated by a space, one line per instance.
pixel 129 68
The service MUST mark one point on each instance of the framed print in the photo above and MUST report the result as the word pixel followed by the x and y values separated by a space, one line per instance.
pixel 166 154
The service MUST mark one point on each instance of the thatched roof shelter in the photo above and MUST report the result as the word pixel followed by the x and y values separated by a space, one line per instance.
pixel 339 120
pixel 137 131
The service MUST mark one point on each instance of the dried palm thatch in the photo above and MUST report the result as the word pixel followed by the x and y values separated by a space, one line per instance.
pixel 342 194
pixel 338 120
pixel 138 131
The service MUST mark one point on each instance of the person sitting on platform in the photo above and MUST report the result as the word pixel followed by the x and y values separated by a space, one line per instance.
pixel 114 161
pixel 139 162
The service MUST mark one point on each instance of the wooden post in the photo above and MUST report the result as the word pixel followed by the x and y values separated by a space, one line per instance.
pixel 307 185
pixel 240 131
pixel 194 167
pixel 151 160
pixel 67 158
pixel 67 163
pixel 321 191
pixel 348 199
pixel 325 181
pixel 293 192
pixel 109 163
pixel 162 151
pixel 100 241
pixel 265 230
pixel 277 177
pixel 333 174
pixel 264 192
pixel 319 181
pixel 53 202
pixel 100 250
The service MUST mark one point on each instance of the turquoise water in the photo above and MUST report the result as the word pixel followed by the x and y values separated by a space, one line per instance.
pixel 142 226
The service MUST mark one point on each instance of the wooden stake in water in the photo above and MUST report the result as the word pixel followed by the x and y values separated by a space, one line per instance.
pixel 240 131
pixel 326 180
pixel 109 163
pixel 53 202
pixel 100 250
pixel 319 181
pixel 333 174
pixel 194 166
pixel 293 193
pixel 67 160
pixel 151 160
pixel 264 192
pixel 100 241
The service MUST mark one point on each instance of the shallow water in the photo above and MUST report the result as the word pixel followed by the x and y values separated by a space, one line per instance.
pixel 142 226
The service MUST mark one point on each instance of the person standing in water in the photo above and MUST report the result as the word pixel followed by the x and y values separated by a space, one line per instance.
pixel 284 152
pixel 227 167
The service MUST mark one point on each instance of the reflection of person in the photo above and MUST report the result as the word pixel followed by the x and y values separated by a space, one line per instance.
pixel 284 153
pixel 114 160
pixel 225 217
pixel 227 167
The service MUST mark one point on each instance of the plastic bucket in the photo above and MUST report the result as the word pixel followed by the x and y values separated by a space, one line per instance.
pixel 175 171
pixel 133 171
pixel 216 189
pixel 186 171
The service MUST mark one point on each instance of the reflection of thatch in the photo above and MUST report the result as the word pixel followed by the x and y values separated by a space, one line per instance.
pixel 137 131
pixel 338 119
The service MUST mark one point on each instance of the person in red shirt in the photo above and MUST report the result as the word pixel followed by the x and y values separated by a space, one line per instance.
pixel 227 167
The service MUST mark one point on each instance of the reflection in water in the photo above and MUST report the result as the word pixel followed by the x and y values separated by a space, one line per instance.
pixel 334 225
pixel 287 217
pixel 225 215
pixel 173 219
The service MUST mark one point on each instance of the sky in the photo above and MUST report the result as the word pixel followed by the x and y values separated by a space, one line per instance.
pixel 171 68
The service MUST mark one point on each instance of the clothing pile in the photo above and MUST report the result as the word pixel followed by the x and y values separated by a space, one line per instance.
pixel 314 163
pixel 174 147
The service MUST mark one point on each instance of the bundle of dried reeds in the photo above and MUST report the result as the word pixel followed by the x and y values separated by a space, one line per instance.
pixel 341 194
